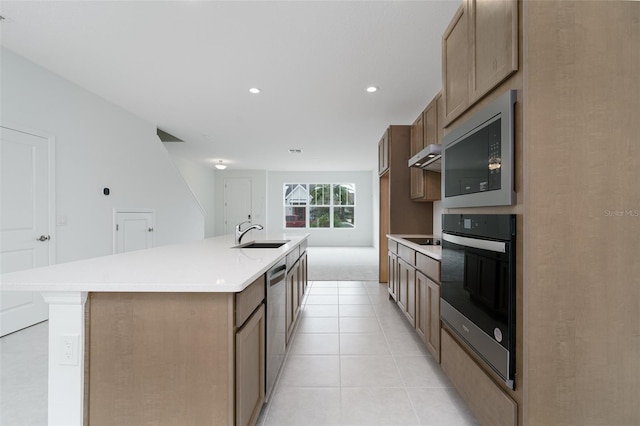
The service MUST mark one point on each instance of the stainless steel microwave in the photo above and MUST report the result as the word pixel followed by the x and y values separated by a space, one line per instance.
pixel 478 158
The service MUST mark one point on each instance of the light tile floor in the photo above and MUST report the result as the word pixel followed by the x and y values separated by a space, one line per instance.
pixel 355 360
pixel 23 377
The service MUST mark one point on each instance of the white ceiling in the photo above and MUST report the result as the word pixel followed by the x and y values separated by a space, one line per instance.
pixel 186 66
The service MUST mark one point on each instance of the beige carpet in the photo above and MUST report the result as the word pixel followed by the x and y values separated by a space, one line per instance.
pixel 343 263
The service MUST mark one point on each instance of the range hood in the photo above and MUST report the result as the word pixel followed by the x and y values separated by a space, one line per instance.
pixel 428 158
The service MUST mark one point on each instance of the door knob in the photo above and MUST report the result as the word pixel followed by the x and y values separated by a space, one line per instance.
pixel 44 238
pixel 150 229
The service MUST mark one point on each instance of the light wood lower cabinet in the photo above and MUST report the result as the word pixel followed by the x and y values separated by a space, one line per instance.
pixel 428 313
pixel 393 276
pixel 250 368
pixel 414 284
pixel 292 305
pixel 160 358
pixel 407 290
pixel 179 358
pixel 296 285
pixel 490 404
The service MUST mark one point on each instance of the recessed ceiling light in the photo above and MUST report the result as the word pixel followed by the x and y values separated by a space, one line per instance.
pixel 254 90
pixel 372 89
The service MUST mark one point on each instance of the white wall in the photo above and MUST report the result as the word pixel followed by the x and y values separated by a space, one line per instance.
pixel 259 199
pixel 201 181
pixel 98 144
pixel 363 232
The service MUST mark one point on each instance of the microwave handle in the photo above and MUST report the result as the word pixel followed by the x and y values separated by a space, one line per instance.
pixel 495 246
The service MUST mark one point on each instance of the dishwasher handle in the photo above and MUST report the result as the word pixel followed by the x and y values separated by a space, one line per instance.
pixel 275 275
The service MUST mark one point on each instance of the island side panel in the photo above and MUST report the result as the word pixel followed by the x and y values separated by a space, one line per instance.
pixel 160 358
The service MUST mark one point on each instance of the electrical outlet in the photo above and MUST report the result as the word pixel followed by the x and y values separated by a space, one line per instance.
pixel 69 349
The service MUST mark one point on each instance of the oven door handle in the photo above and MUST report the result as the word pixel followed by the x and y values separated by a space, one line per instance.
pixel 495 246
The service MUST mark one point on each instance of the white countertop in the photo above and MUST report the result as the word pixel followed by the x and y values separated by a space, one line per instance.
pixel 435 252
pixel 209 265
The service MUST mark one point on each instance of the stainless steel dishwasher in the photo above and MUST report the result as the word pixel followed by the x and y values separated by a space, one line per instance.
pixel 276 323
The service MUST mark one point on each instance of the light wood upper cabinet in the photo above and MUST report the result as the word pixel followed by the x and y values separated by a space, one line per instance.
pixel 383 154
pixel 417 143
pixel 479 51
pixel 417 135
pixel 426 130
pixel 455 65
pixel 493 39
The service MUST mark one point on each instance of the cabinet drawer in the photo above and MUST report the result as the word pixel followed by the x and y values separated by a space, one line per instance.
pixel 292 257
pixel 249 299
pixel 407 254
pixel 393 246
pixel 303 246
pixel 428 266
pixel 490 404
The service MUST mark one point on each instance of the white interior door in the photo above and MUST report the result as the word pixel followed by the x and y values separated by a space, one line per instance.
pixel 237 202
pixel 133 230
pixel 25 221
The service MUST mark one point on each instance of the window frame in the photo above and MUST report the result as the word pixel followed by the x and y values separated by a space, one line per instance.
pixel 308 205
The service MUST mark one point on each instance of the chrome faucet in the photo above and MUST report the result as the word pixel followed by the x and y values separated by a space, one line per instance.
pixel 240 234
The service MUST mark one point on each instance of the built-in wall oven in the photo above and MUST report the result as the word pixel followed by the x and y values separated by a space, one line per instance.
pixel 478 286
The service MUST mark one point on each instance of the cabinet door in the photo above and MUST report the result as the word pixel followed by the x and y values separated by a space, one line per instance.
pixel 425 184
pixel 493 38
pixel 422 306
pixel 428 313
pixel 383 154
pixel 407 290
pixel 417 143
pixel 393 276
pixel 292 299
pixel 250 372
pixel 455 65
pixel 433 325
pixel 304 273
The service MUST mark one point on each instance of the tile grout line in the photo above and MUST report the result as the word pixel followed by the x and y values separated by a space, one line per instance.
pixel 395 362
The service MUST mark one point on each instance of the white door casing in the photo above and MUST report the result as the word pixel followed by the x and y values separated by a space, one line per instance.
pixel 237 202
pixel 133 229
pixel 26 219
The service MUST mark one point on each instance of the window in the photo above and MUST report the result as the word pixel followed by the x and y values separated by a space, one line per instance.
pixel 319 205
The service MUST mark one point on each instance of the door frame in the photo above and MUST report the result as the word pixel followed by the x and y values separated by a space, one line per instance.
pixel 51 205
pixel 114 241
pixel 51 143
pixel 225 210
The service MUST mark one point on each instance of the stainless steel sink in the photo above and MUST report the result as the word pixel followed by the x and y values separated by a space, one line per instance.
pixel 423 241
pixel 263 244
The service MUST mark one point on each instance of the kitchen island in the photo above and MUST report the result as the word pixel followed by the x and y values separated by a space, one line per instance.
pixel 169 335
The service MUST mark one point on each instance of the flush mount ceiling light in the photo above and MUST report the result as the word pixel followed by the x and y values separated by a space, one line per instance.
pixel 220 165
pixel 254 90
pixel 372 89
